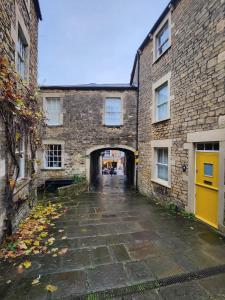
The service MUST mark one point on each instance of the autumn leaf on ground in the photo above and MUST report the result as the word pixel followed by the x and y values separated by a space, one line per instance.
pixel 51 240
pixel 63 251
pixel 61 230
pixel 35 281
pixel 27 264
pixel 20 269
pixel 51 288
pixel 8 281
pixel 55 249
pixel 64 238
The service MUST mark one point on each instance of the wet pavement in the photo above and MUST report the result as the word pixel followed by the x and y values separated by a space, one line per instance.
pixel 117 238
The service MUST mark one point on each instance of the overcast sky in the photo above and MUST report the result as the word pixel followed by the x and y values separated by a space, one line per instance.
pixel 92 41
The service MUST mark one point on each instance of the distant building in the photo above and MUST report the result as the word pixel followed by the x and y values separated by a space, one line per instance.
pixel 83 122
pixel 19 42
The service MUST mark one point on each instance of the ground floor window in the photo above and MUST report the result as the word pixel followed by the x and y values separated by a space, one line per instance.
pixel 53 156
pixel 162 163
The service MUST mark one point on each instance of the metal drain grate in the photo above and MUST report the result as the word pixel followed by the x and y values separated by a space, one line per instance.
pixel 150 285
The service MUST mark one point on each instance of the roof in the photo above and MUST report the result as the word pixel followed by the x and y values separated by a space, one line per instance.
pixel 90 86
pixel 38 9
pixel 153 29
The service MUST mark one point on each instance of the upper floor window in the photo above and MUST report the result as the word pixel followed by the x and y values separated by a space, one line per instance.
pixel 53 156
pixel 113 111
pixel 53 111
pixel 162 99
pixel 21 53
pixel 162 40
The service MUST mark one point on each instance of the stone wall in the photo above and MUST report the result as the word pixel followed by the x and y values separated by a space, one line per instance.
pixel 13 13
pixel 196 60
pixel 83 126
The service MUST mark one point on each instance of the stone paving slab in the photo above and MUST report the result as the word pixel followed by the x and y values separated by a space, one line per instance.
pixel 117 238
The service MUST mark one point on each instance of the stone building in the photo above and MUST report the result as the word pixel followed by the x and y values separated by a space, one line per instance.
pixel 84 121
pixel 180 71
pixel 18 41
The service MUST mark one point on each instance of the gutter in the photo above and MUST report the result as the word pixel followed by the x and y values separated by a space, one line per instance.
pixel 137 118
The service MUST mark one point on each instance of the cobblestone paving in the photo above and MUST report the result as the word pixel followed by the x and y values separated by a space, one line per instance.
pixel 117 238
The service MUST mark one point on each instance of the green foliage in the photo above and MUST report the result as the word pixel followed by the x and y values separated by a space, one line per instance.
pixel 79 178
pixel 187 215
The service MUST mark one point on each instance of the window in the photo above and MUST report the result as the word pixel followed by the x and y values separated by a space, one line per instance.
pixel 208 170
pixel 113 112
pixel 53 111
pixel 162 40
pixel 162 97
pixel 53 156
pixel 107 153
pixel 162 163
pixel 21 53
pixel 207 147
pixel 20 153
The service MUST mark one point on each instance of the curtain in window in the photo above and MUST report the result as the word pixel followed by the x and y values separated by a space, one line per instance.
pixel 113 111
pixel 53 111
pixel 162 163
pixel 162 102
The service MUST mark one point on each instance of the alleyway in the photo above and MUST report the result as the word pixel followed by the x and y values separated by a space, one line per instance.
pixel 117 239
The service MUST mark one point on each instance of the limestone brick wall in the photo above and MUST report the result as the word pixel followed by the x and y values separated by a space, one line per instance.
pixel 83 126
pixel 196 60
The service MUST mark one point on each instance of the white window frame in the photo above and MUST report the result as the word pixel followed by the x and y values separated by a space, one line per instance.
pixel 20 24
pixel 164 80
pixel 121 112
pixel 155 145
pixel 53 142
pixel 50 95
pixel 21 53
pixel 158 164
pixel 166 20
pixel 20 152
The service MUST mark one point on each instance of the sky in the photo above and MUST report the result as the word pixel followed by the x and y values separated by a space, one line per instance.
pixel 92 41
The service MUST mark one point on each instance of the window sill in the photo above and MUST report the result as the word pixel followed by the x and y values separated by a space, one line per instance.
pixel 52 169
pixel 160 121
pixel 161 182
pixel 113 126
pixel 158 58
pixel 59 125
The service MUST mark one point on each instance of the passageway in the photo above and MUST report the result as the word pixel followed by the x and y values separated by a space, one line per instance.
pixel 120 241
pixel 104 168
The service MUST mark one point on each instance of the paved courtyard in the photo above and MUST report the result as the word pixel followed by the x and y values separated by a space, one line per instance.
pixel 116 239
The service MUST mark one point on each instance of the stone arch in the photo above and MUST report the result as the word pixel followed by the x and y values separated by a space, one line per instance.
pixel 92 149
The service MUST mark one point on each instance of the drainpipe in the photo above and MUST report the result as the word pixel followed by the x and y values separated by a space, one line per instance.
pixel 137 119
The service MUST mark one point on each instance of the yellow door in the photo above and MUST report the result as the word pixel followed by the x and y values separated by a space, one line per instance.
pixel 207 177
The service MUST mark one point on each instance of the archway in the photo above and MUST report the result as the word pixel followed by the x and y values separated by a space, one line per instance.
pixel 94 165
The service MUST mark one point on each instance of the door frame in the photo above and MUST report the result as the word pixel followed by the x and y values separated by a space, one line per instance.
pixel 217 135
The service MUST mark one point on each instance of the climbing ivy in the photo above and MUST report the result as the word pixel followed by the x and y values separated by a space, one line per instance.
pixel 22 121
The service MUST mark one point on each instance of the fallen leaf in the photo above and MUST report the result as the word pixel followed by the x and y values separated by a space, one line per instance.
pixel 61 230
pixel 35 281
pixel 51 240
pixel 64 238
pixel 54 255
pixel 63 251
pixel 55 249
pixel 36 243
pixel 27 264
pixel 8 281
pixel 51 288
pixel 20 269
